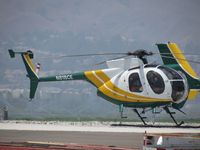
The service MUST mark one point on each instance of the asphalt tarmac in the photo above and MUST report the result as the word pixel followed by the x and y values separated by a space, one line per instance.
pixel 86 133
pixel 126 140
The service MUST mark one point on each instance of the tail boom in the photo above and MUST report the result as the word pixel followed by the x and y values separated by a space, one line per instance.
pixel 33 76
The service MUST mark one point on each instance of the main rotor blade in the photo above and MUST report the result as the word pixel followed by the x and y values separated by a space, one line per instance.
pixel 110 60
pixel 139 53
pixel 100 54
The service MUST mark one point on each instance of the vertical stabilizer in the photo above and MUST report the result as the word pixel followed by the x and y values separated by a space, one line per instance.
pixel 173 57
pixel 30 68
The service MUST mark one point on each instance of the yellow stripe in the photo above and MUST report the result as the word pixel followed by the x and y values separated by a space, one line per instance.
pixel 102 75
pixel 118 90
pixel 181 59
pixel 110 85
pixel 91 77
pixel 102 81
pixel 116 93
pixel 193 94
pixel 28 60
pixel 113 87
pixel 125 98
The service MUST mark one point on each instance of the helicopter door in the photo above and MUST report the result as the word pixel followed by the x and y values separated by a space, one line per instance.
pixel 134 82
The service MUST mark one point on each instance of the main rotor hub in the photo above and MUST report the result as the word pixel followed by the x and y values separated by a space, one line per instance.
pixel 140 53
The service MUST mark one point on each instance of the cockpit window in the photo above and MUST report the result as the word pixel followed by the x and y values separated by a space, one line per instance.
pixel 171 74
pixel 135 83
pixel 156 82
pixel 178 90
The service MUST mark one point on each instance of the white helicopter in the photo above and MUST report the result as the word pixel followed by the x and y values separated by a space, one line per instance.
pixel 132 82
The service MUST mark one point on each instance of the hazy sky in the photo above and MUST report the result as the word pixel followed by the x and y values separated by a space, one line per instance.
pixel 150 21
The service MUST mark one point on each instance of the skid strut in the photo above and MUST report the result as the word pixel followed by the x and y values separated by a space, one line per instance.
pixel 142 118
pixel 171 115
pixel 121 110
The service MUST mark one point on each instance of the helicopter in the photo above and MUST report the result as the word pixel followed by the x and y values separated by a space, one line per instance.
pixel 133 82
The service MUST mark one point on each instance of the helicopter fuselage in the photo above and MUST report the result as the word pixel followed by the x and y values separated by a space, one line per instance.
pixel 143 85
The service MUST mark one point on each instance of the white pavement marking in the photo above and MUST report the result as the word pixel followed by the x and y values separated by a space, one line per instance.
pixel 88 127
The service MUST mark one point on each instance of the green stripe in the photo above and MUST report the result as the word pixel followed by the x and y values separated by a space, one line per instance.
pixel 165 51
pixel 132 104
pixel 64 77
pixel 179 105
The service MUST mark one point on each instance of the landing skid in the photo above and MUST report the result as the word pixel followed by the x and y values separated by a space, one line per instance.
pixel 167 111
pixel 142 118
pixel 132 124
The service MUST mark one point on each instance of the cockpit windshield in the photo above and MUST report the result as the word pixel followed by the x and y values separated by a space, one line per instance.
pixel 171 74
pixel 177 83
pixel 178 90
